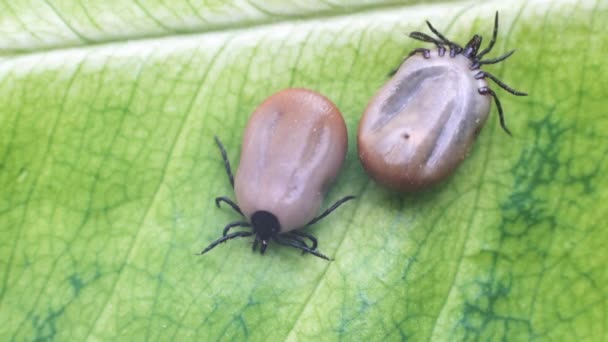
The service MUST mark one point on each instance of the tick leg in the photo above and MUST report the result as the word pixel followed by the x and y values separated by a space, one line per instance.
pixel 423 37
pixel 443 39
pixel 225 238
pixel 441 50
pixel 330 209
pixel 483 74
pixel 298 246
pixel 494 60
pixel 228 201
pixel 235 224
pixel 308 236
pixel 295 238
pixel 226 161
pixel 426 38
pixel 454 50
pixel 486 91
pixel 426 53
pixel 493 41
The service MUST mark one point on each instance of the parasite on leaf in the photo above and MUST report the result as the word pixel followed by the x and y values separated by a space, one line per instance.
pixel 293 148
pixel 421 124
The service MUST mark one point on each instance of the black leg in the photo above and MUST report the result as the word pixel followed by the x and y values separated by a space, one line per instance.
pixel 330 209
pixel 423 37
pixel 235 224
pixel 255 244
pixel 495 60
pixel 308 236
pixel 228 201
pixel 296 239
pixel 493 41
pixel 483 74
pixel 225 238
pixel 486 91
pixel 426 53
pixel 298 246
pixel 426 38
pixel 443 39
pixel 454 50
pixel 441 50
pixel 226 161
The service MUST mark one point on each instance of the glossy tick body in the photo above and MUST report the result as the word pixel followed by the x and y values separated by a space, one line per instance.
pixel 293 148
pixel 421 124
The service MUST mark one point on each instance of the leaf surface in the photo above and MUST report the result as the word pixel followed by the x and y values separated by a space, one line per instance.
pixel 108 171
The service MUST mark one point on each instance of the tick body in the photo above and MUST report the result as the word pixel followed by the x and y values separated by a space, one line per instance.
pixel 422 123
pixel 293 148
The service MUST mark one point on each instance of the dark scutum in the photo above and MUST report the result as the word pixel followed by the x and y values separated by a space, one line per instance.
pixel 265 224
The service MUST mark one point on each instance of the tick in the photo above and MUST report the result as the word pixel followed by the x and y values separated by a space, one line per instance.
pixel 293 148
pixel 422 123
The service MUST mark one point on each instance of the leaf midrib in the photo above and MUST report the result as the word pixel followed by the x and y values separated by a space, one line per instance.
pixel 210 29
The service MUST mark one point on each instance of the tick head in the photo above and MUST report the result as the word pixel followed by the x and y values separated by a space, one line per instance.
pixel 266 226
pixel 470 50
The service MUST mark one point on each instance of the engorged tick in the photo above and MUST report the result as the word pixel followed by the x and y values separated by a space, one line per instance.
pixel 293 148
pixel 421 124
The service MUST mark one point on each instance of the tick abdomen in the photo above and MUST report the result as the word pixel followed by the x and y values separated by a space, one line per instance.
pixel 293 148
pixel 420 125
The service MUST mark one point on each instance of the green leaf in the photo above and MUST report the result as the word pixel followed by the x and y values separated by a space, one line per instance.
pixel 108 174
